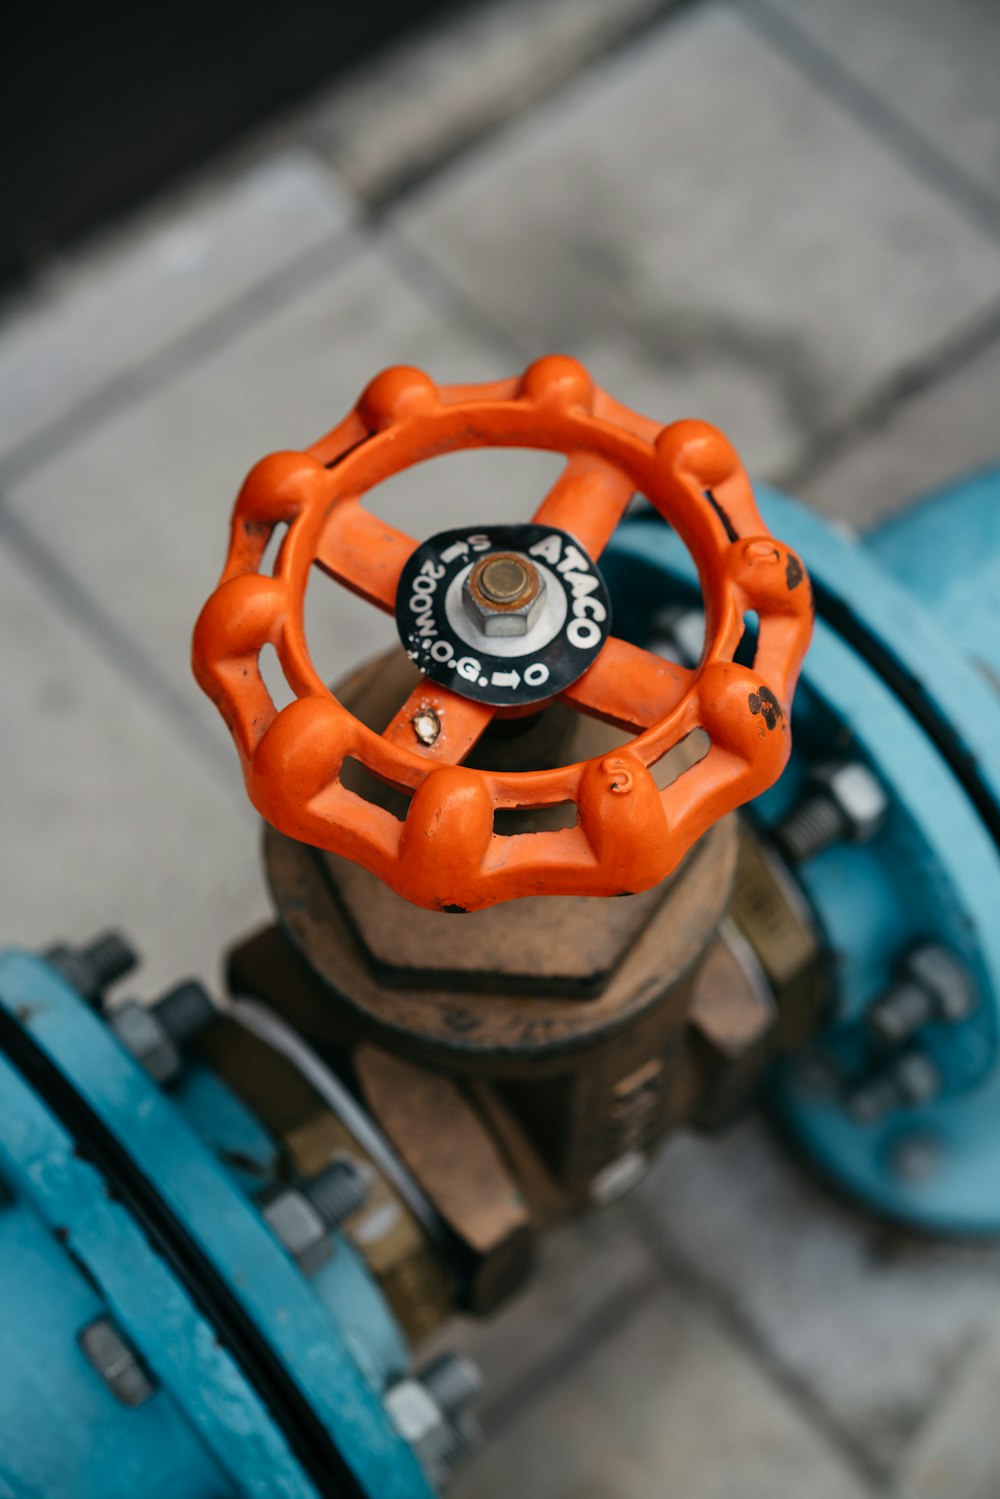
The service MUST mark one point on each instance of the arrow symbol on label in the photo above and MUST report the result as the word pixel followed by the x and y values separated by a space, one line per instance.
pixel 506 679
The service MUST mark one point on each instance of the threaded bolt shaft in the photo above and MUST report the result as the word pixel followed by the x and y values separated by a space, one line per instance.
pixel 336 1193
pixel 466 1436
pixel 111 957
pixel 94 967
pixel 900 1013
pixel 814 825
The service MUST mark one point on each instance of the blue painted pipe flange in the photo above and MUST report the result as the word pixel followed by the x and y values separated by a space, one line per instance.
pixel 900 686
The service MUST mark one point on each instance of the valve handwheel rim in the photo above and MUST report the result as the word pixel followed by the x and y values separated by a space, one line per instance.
pixel 445 854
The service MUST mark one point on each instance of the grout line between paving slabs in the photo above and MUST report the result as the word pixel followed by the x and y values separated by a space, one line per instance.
pixel 925 160
pixel 80 610
pixel 679 1271
pixel 410 179
pixel 500 1414
pixel 155 371
pixel 879 406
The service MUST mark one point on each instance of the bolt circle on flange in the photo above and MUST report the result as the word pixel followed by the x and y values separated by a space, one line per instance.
pixel 446 853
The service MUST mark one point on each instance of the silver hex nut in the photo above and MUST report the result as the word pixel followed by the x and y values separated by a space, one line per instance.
pixel 297 1225
pixel 423 1425
pixel 858 795
pixel 944 978
pixel 140 1032
pixel 504 594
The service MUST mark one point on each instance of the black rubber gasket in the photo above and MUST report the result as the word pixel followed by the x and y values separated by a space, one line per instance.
pixel 308 1438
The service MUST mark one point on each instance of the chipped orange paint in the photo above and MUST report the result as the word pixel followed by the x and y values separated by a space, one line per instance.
pixel 446 855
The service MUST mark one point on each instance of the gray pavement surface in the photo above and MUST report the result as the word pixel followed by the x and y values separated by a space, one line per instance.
pixel 782 215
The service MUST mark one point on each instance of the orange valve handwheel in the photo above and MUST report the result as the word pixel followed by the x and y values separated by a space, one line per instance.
pixel 496 618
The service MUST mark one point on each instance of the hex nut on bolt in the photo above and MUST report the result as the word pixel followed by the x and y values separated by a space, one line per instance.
pixel 504 594
pixel 423 1425
pixel 296 1224
pixel 430 1412
pixel 156 1034
pixel 934 985
pixel 302 1218
pixel 844 801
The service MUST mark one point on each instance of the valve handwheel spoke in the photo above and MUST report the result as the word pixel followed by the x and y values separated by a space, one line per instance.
pixel 629 687
pixel 587 500
pixel 501 620
pixel 364 553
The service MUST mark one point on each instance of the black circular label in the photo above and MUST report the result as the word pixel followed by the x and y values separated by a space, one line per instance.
pixel 450 639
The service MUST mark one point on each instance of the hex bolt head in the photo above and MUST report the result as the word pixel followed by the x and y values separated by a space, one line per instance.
pixel 844 801
pixel 92 968
pixel 504 594
pixel 106 1350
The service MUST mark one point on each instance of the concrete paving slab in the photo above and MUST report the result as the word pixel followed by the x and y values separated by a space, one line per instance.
pixel 946 431
pixel 957 1455
pixel 137 511
pixel 871 1323
pixel 587 1271
pixel 427 97
pixel 667 1405
pixel 715 236
pixel 106 308
pixel 107 817
pixel 933 66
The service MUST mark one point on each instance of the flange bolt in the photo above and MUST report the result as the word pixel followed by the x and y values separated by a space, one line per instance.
pixel 156 1034
pixel 95 966
pixel 302 1217
pixel 430 1410
pixel 911 1080
pixel 337 1192
pixel 933 985
pixel 844 801
pixel 454 1381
